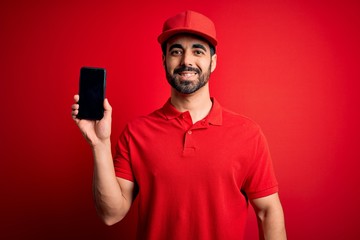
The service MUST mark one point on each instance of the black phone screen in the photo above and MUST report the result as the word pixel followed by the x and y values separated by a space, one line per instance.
pixel 92 93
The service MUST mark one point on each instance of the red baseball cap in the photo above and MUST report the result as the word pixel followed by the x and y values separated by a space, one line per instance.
pixel 189 22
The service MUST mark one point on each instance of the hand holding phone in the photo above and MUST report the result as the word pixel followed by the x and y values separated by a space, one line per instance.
pixel 92 93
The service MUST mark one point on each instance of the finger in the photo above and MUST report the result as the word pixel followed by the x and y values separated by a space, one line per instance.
pixel 75 107
pixel 74 114
pixel 76 98
pixel 107 105
pixel 107 108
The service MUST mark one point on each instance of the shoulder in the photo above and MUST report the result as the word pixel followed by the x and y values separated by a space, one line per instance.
pixel 149 120
pixel 231 118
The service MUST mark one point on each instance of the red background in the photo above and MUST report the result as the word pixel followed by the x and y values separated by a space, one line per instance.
pixel 292 66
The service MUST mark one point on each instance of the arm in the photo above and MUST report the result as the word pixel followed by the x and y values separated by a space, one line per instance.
pixel 270 217
pixel 113 196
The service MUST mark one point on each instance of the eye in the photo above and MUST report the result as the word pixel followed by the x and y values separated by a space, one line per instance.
pixel 175 52
pixel 199 52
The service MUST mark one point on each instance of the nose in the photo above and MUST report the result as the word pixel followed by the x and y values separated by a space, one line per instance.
pixel 187 59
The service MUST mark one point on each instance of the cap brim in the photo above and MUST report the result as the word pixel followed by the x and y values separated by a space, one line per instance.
pixel 168 34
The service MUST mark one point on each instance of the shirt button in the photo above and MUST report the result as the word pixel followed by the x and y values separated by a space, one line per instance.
pixel 189 132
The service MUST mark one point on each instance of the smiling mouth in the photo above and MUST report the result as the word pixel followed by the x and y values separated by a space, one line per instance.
pixel 187 74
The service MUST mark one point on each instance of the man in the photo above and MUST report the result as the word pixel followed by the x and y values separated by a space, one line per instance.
pixel 193 165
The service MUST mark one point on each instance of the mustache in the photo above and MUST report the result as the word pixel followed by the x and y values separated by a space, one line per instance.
pixel 186 68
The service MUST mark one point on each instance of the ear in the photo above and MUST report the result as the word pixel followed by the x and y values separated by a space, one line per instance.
pixel 213 62
pixel 163 59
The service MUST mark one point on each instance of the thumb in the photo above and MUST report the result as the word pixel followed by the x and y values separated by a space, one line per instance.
pixel 107 108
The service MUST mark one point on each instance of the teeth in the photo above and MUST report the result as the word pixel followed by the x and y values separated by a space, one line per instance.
pixel 187 74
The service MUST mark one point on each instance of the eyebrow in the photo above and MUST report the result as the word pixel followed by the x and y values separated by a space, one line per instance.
pixel 196 45
pixel 199 46
pixel 176 45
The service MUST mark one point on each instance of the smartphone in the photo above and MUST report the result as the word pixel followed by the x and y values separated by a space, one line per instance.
pixel 92 93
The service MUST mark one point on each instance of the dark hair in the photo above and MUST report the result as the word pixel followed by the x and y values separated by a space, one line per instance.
pixel 212 48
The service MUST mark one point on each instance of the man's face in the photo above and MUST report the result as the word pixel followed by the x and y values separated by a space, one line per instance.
pixel 188 63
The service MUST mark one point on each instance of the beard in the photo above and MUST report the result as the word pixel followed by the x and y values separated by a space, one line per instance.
pixel 184 86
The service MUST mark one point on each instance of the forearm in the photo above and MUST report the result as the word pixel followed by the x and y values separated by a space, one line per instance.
pixel 108 197
pixel 271 225
pixel 270 217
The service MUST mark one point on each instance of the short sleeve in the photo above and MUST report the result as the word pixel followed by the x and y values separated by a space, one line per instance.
pixel 260 180
pixel 122 161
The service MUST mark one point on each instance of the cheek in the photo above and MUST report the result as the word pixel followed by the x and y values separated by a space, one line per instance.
pixel 167 68
pixel 205 66
pixel 170 65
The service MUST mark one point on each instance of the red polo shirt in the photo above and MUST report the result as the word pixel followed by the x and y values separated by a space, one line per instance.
pixel 194 179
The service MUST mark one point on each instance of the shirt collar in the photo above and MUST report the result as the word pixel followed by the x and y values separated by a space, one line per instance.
pixel 214 117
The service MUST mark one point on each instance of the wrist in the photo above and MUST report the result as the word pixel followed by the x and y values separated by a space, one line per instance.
pixel 102 153
pixel 101 144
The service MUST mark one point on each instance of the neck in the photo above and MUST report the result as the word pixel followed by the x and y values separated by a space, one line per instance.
pixel 198 104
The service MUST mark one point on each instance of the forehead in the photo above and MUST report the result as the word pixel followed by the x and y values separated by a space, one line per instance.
pixel 187 39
